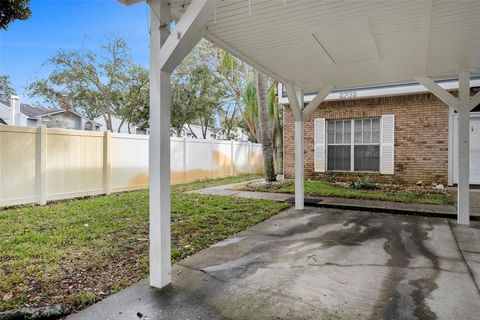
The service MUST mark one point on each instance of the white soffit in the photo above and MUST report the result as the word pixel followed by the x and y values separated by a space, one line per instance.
pixel 374 42
pixel 356 43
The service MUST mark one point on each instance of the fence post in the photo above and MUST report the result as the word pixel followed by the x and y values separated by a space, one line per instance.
pixel 249 156
pixel 41 165
pixel 107 162
pixel 232 164
pixel 211 159
pixel 184 159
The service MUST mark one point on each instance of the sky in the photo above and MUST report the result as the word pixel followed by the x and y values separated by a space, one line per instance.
pixel 68 24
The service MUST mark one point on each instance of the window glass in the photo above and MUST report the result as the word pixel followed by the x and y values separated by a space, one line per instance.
pixel 367 158
pixel 338 132
pixel 376 130
pixel 366 149
pixel 331 131
pixel 347 132
pixel 339 157
pixel 358 131
pixel 367 131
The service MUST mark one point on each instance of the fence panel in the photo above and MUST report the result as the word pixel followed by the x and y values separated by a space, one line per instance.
pixel 40 164
pixel 75 163
pixel 17 165
pixel 129 162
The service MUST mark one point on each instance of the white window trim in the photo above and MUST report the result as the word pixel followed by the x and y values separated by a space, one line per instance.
pixel 352 144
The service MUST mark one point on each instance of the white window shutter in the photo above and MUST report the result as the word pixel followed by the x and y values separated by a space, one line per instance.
pixel 319 158
pixel 387 141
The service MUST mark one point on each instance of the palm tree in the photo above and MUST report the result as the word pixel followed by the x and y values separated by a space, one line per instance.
pixel 275 113
pixel 265 130
pixel 250 111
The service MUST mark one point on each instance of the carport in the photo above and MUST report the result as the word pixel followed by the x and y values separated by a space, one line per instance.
pixel 311 45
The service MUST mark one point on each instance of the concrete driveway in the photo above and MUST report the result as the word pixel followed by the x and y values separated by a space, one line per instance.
pixel 319 264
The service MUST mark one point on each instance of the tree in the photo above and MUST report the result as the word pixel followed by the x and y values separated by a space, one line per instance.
pixel 134 103
pixel 182 96
pixel 6 89
pixel 265 130
pixel 207 98
pixel 95 86
pixel 276 116
pixel 233 74
pixel 201 87
pixel 11 10
pixel 250 111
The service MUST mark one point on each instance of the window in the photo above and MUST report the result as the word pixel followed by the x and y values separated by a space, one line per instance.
pixel 367 145
pixel 353 150
pixel 339 144
pixel 88 126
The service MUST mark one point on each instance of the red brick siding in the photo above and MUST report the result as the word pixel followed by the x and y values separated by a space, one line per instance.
pixel 421 137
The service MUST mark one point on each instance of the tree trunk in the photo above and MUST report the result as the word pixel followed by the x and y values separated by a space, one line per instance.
pixel 265 131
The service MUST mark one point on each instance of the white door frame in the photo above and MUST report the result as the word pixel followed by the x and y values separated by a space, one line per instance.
pixel 452 117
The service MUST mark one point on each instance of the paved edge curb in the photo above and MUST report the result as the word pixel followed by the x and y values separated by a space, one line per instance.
pixel 312 202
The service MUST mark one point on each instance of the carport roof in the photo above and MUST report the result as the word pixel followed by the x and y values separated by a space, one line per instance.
pixel 346 44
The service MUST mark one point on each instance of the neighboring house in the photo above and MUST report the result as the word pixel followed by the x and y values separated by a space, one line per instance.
pixel 118 126
pixel 238 134
pixel 346 137
pixel 20 114
pixel 194 131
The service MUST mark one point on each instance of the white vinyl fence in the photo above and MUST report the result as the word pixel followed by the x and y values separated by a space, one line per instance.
pixel 39 164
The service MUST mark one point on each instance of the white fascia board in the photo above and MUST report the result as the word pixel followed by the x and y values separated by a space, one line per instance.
pixel 380 91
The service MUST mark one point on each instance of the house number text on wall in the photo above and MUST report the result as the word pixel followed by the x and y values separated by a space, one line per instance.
pixel 348 94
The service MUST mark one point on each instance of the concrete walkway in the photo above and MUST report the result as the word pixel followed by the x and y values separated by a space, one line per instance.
pixel 319 264
pixel 442 211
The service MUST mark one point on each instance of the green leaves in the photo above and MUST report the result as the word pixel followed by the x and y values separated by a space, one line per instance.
pixel 11 10
pixel 96 85
pixel 6 89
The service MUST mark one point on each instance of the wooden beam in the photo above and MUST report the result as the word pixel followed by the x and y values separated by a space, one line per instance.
pixel 315 103
pixel 474 101
pixel 439 92
pixel 293 98
pixel 186 34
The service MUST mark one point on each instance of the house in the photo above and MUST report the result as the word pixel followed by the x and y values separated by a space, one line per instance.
pixel 121 126
pixel 194 131
pixel 345 136
pixel 21 114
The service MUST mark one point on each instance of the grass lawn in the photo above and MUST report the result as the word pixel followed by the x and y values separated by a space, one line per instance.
pixel 76 252
pixel 327 189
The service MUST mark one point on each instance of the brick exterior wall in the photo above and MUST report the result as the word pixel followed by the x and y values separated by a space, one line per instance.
pixel 421 137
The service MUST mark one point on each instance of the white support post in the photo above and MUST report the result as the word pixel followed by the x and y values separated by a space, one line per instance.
pixel 159 149
pixel 107 167
pixel 41 165
pixel 451 143
pixel 463 193
pixel 295 97
pixel 462 105
pixel 299 166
